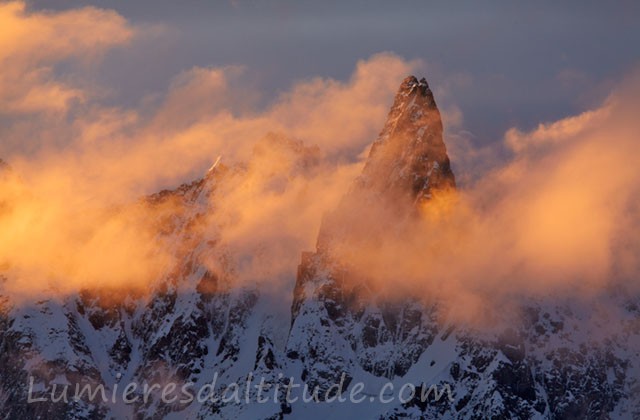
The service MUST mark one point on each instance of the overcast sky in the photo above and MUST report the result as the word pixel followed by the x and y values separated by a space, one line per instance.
pixel 502 64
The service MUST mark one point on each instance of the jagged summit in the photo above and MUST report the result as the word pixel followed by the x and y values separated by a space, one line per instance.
pixel 409 155
pixel 407 163
pixel 411 84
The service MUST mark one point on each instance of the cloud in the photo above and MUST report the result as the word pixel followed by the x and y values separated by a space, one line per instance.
pixel 270 211
pixel 557 131
pixel 327 112
pixel 71 215
pixel 32 43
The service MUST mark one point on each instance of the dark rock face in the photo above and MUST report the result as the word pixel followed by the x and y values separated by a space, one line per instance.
pixel 407 163
pixel 409 157
pixel 197 321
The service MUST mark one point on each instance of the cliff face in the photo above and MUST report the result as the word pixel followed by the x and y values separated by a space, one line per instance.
pixel 555 362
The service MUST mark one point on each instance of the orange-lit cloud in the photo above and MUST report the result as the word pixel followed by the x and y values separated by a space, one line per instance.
pixel 32 43
pixel 72 217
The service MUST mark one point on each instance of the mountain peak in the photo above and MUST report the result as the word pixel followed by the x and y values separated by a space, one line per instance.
pixel 408 162
pixel 409 154
pixel 411 85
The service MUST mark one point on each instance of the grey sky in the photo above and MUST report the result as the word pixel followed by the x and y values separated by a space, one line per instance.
pixel 503 64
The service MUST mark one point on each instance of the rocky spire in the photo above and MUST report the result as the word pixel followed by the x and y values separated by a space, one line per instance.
pixel 335 299
pixel 407 163
pixel 409 155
